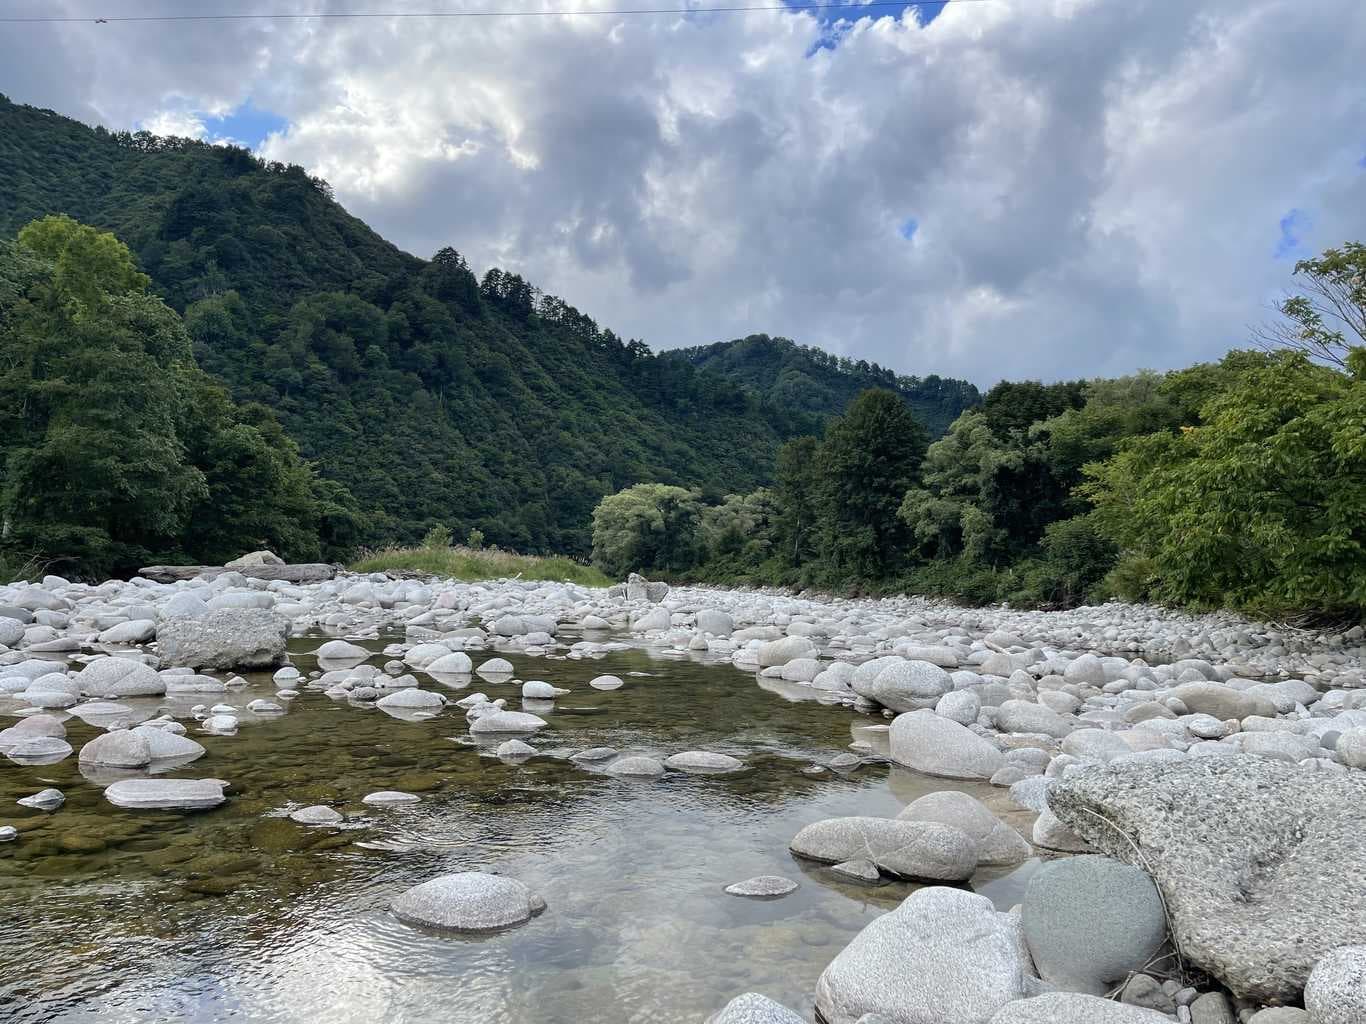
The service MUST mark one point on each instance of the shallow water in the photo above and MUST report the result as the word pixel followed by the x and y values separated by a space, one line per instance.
pixel 113 915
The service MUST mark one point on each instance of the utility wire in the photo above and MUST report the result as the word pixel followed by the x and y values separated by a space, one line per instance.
pixel 736 9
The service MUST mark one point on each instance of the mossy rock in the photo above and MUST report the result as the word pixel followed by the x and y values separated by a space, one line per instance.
pixel 167 856
pixel 280 835
pixel 222 864
pixel 81 842
pixel 417 782
pixel 335 841
pixel 220 885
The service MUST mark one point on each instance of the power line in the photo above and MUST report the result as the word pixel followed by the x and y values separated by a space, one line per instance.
pixel 337 15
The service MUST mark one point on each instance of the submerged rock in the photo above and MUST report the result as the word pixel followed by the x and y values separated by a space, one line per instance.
pixel 636 767
pixel 317 814
pixel 704 762
pixel 469 901
pixel 389 798
pixel 45 800
pixel 763 885
pixel 1262 863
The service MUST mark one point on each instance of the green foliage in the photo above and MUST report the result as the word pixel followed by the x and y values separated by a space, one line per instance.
pixel 647 527
pixel 436 538
pixel 475 539
pixel 1264 503
pixel 1329 322
pixel 810 381
pixel 464 563
pixel 116 449
pixel 869 459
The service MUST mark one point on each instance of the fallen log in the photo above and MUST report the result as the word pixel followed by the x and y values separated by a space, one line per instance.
pixel 306 572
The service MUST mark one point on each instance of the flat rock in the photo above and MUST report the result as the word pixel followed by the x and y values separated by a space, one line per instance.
pixel 636 767
pixel 909 849
pixel 45 800
pixel 469 901
pixel 507 721
pixel 606 683
pixel 704 762
pixel 389 797
pixel 317 814
pixel 763 885
pixel 166 794
pixel 1262 863
pixel 944 956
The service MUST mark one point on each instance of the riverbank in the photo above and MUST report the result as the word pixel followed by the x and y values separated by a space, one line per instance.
pixel 472 564
pixel 1207 770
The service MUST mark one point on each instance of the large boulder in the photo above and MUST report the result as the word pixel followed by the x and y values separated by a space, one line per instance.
pixel 123 748
pixel 1023 716
pixel 469 901
pixel 909 849
pixel 752 1008
pixel 997 842
pixel 1075 1008
pixel 166 794
pixel 229 638
pixel 1091 921
pixel 1223 702
pixel 120 677
pixel 254 558
pixel 903 685
pixel 944 956
pixel 936 746
pixel 780 652
pixel 1262 863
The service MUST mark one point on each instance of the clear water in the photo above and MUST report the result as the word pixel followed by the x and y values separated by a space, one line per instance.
pixel 236 914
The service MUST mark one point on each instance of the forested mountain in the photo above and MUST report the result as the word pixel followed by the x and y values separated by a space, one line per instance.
pixel 813 381
pixel 434 397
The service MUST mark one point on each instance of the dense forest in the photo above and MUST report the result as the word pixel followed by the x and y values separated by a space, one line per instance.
pixel 1239 483
pixel 814 381
pixel 429 396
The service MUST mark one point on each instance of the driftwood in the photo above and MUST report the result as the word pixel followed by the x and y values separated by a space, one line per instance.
pixel 308 572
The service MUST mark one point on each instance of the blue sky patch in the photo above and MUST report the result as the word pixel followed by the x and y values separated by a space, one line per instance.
pixel 1293 226
pixel 908 228
pixel 247 124
pixel 851 12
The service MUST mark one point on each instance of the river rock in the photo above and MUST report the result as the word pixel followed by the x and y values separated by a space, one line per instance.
pixel 903 685
pixel 1336 991
pixel 909 849
pixel 936 746
pixel 122 748
pixel 410 698
pixel 495 668
pixel 228 638
pixel 507 721
pixel 135 631
pixel 997 842
pixel 38 750
pixel 317 814
pixel 636 767
pixel 389 798
pixel 717 623
pixel 163 744
pixel 944 956
pixel 44 800
pixel 1090 921
pixel 1022 716
pixel 469 901
pixel 1075 1008
pixel 337 651
pixel 752 1008
pixel 763 885
pixel 1223 702
pixel 703 762
pixel 166 794
pixel 606 683
pixel 120 677
pixel 1262 863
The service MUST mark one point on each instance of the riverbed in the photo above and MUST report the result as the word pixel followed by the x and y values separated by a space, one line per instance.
pixel 238 913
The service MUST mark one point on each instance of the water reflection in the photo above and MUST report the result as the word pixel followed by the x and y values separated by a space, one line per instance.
pixel 239 911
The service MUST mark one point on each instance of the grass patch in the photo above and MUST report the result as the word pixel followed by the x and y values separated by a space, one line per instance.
pixel 463 563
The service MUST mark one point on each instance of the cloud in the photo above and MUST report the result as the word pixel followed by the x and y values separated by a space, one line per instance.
pixel 1096 186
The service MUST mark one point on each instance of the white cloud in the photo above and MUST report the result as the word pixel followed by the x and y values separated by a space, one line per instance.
pixel 1097 185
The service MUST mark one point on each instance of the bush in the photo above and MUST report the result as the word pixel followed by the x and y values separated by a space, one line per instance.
pixel 475 539
pixel 1134 578
pixel 437 537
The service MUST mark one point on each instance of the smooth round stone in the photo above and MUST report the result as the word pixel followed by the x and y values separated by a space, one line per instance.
pixel 48 699
pixel 411 698
pixel 389 798
pixel 39 750
pixel 469 901
pixel 763 885
pixel 594 754
pixel 337 651
pixel 8 834
pixel 515 750
pixel 536 689
pixel 318 814
pixel 163 744
pixel 220 725
pixel 166 794
pixel 704 762
pixel 495 667
pixel 46 800
pixel 507 721
pixel 636 767
pixel 264 707
pixel 606 683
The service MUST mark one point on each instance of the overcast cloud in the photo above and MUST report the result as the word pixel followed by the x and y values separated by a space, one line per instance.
pixel 1019 188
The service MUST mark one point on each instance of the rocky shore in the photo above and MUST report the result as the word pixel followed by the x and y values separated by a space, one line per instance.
pixel 1196 779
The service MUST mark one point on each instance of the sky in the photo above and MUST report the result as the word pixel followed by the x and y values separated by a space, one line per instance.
pixel 984 189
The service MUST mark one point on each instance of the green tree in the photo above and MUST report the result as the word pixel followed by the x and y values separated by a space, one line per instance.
pixel 1264 503
pixel 868 461
pixel 647 527
pixel 1328 322
pixel 797 493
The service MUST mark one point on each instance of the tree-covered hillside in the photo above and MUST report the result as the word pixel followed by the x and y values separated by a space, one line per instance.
pixel 434 397
pixel 812 381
